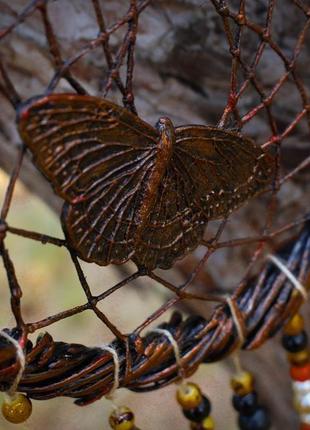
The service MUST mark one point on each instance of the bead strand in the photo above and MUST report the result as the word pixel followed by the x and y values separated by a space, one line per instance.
pixel 295 342
pixel 252 416
pixel 121 418
pixel 195 406
pixel 16 407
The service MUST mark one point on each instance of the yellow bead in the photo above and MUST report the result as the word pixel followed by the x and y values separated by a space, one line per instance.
pixel 294 326
pixel 17 410
pixel 206 424
pixel 299 358
pixel 242 383
pixel 302 401
pixel 122 419
pixel 189 395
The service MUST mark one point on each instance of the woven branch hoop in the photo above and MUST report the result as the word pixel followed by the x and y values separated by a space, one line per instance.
pixel 262 305
pixel 61 369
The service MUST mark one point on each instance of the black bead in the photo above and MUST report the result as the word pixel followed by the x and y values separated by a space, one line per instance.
pixel 200 412
pixel 295 343
pixel 259 420
pixel 247 404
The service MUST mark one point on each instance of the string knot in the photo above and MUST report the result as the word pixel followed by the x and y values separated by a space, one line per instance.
pixel 290 276
pixel 20 356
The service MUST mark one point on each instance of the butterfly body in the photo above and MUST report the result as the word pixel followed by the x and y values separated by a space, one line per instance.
pixel 164 149
pixel 133 191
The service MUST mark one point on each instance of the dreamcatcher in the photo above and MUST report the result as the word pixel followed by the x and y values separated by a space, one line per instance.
pixel 136 192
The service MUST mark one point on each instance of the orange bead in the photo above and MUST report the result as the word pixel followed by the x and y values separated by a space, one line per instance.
pixel 304 426
pixel 300 373
pixel 295 325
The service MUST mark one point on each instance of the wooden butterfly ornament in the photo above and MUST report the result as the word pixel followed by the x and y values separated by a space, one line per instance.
pixel 133 191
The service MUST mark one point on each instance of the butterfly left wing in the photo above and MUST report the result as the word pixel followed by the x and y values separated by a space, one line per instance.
pixel 98 158
pixel 225 168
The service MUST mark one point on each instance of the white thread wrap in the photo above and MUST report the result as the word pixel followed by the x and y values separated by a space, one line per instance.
pixel 299 287
pixel 175 346
pixel 21 359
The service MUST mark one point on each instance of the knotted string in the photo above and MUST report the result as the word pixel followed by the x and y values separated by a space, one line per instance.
pixel 176 349
pixel 112 351
pixel 22 363
pixel 236 320
pixel 297 285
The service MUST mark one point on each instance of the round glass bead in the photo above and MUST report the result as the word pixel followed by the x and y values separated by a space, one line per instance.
pixel 242 383
pixel 247 404
pixel 258 421
pixel 302 387
pixel 18 409
pixel 299 358
pixel 206 424
pixel 189 395
pixel 295 325
pixel 304 426
pixel 302 403
pixel 300 373
pixel 200 412
pixel 122 419
pixel 295 343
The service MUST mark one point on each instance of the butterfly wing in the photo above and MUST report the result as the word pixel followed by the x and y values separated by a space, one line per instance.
pixel 174 227
pixel 225 168
pixel 98 157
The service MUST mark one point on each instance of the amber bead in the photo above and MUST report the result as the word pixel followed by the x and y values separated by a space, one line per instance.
pixel 242 383
pixel 189 395
pixel 18 409
pixel 294 326
pixel 206 424
pixel 299 358
pixel 300 373
pixel 304 426
pixel 302 406
pixel 122 419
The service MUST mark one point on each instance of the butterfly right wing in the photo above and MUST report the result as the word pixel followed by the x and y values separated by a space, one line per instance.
pixel 225 168
pixel 98 157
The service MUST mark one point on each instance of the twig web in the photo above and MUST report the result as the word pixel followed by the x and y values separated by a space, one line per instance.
pixel 255 96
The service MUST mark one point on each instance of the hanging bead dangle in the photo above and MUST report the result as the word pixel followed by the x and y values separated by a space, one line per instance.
pixel 196 407
pixel 122 417
pixel 251 415
pixel 295 342
pixel 16 407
